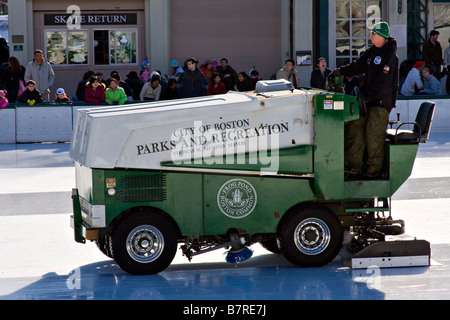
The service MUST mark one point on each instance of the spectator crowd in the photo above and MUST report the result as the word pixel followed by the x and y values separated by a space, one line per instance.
pixel 32 84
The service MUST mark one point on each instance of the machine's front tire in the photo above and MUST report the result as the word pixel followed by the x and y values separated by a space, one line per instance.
pixel 271 245
pixel 144 243
pixel 310 236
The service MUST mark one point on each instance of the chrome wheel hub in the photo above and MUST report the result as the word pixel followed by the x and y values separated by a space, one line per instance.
pixel 312 236
pixel 145 243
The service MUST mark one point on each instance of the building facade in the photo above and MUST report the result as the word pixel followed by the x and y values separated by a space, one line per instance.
pixel 77 36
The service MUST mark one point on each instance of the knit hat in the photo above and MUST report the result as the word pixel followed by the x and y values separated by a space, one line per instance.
pixel 145 64
pixel 60 91
pixel 382 29
pixel 132 74
pixel 419 65
pixel 174 63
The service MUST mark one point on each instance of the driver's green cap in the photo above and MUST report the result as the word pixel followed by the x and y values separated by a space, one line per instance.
pixel 382 29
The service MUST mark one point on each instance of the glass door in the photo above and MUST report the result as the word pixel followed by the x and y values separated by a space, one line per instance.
pixel 442 24
pixel 349 34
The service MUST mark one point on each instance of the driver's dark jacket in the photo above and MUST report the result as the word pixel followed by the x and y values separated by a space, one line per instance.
pixel 380 69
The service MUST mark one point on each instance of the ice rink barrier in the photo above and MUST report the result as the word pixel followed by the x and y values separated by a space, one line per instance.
pixel 46 122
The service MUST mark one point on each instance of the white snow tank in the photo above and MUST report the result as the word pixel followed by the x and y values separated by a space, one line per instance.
pixel 144 135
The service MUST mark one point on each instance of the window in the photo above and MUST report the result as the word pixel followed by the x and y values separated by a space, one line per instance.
pixel 67 47
pixel 353 18
pixel 442 24
pixel 114 46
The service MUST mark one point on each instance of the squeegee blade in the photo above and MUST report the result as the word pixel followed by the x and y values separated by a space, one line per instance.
pixel 392 254
pixel 390 262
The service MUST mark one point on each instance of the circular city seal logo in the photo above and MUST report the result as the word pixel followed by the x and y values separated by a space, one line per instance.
pixel 236 198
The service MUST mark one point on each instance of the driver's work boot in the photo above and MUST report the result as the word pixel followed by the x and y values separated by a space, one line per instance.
pixel 372 172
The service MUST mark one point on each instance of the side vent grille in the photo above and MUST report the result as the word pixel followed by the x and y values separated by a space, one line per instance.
pixel 143 188
pixel 144 181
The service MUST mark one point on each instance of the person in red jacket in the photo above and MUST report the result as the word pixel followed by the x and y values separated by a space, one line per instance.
pixel 208 70
pixel 95 91
pixel 216 86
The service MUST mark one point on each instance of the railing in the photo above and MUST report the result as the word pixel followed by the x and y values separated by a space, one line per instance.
pixel 45 122
pixel 408 106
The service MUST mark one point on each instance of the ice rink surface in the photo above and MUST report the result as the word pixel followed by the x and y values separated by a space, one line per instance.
pixel 39 258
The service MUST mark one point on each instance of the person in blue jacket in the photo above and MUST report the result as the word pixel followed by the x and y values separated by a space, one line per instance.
pixel 413 82
pixel 431 85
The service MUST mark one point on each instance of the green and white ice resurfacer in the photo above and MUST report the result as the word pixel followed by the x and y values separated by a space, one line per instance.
pixel 231 170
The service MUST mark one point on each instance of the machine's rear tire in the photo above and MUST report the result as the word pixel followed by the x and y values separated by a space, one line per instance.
pixel 310 236
pixel 144 243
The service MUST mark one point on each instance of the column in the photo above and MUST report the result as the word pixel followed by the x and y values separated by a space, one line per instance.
pixel 157 29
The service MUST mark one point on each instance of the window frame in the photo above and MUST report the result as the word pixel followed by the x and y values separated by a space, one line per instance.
pixel 109 30
pixel 67 62
pixel 350 38
pixel 90 47
pixel 444 35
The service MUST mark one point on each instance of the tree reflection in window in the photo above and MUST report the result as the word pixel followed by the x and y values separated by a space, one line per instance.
pixel 114 46
pixel 67 47
pixel 442 23
pixel 353 18
pixel 123 46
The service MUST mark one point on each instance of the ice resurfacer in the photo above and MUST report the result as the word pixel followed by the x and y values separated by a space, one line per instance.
pixel 231 170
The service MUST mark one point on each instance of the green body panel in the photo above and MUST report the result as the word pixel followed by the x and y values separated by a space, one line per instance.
pixel 191 199
pixel 297 160
pixel 399 161
pixel 275 196
pixel 400 158
pixel 200 198
pixel 329 120
pixel 178 194
pixel 366 189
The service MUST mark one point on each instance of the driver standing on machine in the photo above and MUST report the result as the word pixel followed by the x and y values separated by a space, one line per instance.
pixel 379 64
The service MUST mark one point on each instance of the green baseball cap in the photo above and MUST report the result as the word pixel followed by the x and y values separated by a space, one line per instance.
pixel 382 29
